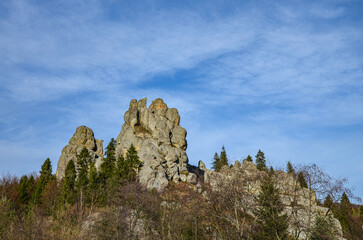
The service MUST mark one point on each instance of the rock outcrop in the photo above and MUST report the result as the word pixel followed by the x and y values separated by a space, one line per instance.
pixel 160 141
pixel 83 137
pixel 299 203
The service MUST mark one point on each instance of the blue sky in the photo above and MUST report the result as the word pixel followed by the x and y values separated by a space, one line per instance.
pixel 282 76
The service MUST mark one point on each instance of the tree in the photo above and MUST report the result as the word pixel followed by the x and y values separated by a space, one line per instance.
pixel 132 163
pixel 301 179
pixel 44 178
pixel 248 158
pixel 220 160
pixel 345 212
pixel 323 229
pixel 290 168
pixel 24 190
pixel 261 161
pixel 216 162
pixel 121 171
pixel 69 181
pixel 93 180
pixel 83 162
pixel 328 202
pixel 108 165
pixel 271 222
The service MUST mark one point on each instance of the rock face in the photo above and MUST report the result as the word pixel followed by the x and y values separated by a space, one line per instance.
pixel 160 141
pixel 299 203
pixel 83 137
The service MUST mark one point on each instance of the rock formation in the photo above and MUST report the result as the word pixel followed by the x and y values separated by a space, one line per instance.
pixel 160 141
pixel 83 137
pixel 299 203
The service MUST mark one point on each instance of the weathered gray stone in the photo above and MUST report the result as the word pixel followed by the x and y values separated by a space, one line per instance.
pixel 83 137
pixel 300 204
pixel 201 165
pixel 159 140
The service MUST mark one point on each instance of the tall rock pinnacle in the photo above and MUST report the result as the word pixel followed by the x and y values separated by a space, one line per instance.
pixel 159 140
pixel 83 137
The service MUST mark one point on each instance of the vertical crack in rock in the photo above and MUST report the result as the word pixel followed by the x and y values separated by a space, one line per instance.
pixel 159 140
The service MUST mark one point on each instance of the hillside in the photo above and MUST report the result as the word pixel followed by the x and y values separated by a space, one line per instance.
pixel 143 187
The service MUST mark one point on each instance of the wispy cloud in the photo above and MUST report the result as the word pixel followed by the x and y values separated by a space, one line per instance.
pixel 278 76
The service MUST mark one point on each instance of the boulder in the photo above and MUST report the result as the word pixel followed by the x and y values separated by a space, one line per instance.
pixel 83 137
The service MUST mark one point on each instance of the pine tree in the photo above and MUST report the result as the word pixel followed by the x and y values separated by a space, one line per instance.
pixel 248 159
pixel 290 168
pixel 24 195
pixel 261 161
pixel 301 179
pixel 271 223
pixel 83 162
pixel 344 212
pixel 223 157
pixel 220 160
pixel 216 162
pixel 271 171
pixel 69 182
pixel 108 165
pixel 132 163
pixel 93 180
pixel 121 171
pixel 44 178
pixel 93 177
pixel 323 229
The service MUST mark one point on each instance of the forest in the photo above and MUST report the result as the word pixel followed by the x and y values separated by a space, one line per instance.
pixel 112 204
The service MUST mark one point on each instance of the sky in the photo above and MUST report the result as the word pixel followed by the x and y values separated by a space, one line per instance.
pixel 285 77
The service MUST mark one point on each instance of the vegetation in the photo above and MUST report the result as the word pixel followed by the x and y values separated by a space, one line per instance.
pixel 261 161
pixel 271 222
pixel 111 204
pixel 220 160
pixel 248 158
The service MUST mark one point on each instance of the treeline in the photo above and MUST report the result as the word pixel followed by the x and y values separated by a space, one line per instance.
pixel 332 194
pixel 111 204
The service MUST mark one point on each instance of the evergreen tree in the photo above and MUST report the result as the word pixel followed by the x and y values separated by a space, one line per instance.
pixel 220 160
pixel 132 163
pixel 271 223
pixel 69 182
pixel 361 210
pixel 216 162
pixel 248 158
pixel 93 180
pixel 261 161
pixel 83 162
pixel 108 165
pixel 290 168
pixel 24 195
pixel 323 229
pixel 44 178
pixel 271 171
pixel 223 157
pixel 121 171
pixel 93 177
pixel 344 212
pixel 301 179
